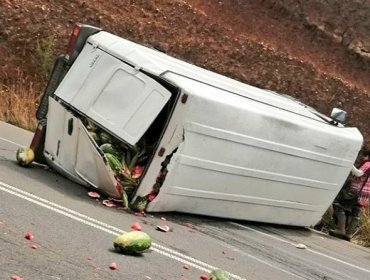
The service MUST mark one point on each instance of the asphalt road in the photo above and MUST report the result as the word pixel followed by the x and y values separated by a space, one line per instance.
pixel 74 234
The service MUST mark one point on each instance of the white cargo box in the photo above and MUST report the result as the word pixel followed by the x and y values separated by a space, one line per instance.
pixel 234 151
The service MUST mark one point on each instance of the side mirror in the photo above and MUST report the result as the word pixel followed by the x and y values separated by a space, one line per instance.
pixel 338 115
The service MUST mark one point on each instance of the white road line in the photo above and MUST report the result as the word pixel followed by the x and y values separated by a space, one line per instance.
pixel 310 250
pixel 202 266
pixel 11 142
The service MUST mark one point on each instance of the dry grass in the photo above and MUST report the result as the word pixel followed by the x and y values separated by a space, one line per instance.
pixel 45 53
pixel 20 94
pixel 362 236
pixel 19 100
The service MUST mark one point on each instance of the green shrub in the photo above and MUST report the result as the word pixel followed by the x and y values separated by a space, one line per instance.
pixel 45 53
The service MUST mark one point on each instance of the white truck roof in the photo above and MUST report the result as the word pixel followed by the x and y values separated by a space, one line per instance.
pixel 162 64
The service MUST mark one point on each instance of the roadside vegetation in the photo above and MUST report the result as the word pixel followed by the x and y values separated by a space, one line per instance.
pixel 21 94
pixel 19 101
pixel 45 54
pixel 362 236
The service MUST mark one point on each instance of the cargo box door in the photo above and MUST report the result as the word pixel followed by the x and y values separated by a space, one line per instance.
pixel 91 167
pixel 112 93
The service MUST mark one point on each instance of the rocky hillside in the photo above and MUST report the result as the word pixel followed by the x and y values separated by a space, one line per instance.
pixel 317 51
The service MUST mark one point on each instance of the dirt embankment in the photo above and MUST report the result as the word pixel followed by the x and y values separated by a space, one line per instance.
pixel 345 22
pixel 316 51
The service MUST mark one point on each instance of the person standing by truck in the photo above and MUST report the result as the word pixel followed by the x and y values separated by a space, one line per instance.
pixel 352 199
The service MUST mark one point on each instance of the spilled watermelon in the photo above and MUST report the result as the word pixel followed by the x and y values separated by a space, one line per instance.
pixel 133 242
pixel 25 156
pixel 219 274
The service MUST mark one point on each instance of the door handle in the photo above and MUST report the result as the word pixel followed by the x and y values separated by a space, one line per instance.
pixel 70 126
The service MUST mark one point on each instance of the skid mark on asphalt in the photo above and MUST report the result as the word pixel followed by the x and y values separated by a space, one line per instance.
pixel 160 249
pixel 310 250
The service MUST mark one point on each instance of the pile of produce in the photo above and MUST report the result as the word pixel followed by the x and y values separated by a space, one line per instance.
pixel 127 162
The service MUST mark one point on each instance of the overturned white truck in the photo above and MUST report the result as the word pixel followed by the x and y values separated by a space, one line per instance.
pixel 189 140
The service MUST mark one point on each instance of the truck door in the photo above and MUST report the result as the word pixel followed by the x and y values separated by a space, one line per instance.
pixel 115 95
pixel 70 151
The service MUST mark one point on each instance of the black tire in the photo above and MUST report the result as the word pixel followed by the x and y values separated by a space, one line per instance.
pixel 59 70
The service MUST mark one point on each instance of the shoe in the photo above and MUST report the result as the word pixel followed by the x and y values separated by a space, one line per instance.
pixel 338 233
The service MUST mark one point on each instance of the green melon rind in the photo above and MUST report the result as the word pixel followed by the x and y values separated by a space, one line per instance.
pixel 219 274
pixel 114 163
pixel 105 137
pixel 108 148
pixel 133 242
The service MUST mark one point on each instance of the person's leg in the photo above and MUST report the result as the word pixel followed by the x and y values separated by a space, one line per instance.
pixel 327 220
pixel 353 224
pixel 340 231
